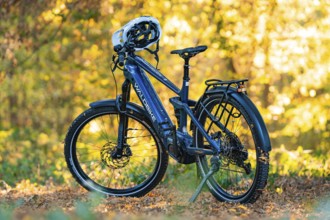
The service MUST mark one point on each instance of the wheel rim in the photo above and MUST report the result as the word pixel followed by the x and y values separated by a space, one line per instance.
pixel 232 180
pixel 91 152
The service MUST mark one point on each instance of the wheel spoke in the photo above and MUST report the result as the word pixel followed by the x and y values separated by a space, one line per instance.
pixel 238 147
pixel 92 148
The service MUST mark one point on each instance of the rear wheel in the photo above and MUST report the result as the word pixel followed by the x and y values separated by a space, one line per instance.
pixel 244 167
pixel 90 145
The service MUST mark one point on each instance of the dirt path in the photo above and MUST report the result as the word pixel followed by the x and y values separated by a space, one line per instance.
pixel 295 198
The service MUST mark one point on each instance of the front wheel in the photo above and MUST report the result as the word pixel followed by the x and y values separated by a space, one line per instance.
pixel 244 166
pixel 90 145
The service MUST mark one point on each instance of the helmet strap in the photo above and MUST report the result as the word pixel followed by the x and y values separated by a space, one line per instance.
pixel 155 53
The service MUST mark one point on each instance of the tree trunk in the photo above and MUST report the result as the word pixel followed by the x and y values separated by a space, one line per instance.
pixel 12 101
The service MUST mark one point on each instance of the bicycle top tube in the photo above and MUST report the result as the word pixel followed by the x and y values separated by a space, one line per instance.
pixel 154 72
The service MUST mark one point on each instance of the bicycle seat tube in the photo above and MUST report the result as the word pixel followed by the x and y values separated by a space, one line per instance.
pixel 184 95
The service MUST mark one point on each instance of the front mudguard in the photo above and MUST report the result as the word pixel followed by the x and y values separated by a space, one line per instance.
pixel 113 103
pixel 103 103
pixel 262 136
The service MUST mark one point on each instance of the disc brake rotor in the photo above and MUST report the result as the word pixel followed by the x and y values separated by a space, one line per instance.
pixel 115 163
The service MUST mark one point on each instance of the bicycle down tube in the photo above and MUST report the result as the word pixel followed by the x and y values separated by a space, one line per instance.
pixel 152 103
pixel 149 100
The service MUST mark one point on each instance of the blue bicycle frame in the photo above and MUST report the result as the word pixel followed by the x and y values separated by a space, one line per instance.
pixel 134 71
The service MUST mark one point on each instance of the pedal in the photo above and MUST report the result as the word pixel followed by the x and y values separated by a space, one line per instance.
pixel 215 166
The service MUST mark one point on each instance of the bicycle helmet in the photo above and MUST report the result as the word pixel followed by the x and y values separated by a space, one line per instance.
pixel 142 32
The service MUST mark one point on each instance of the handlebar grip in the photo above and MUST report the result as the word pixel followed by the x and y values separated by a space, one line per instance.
pixel 121 58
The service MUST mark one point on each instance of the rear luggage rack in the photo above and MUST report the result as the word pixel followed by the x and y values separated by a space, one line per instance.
pixel 238 84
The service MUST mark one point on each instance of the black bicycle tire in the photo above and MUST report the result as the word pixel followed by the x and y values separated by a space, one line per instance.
pixel 84 180
pixel 261 175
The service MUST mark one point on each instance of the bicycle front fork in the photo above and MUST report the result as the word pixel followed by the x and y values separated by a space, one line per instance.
pixel 121 101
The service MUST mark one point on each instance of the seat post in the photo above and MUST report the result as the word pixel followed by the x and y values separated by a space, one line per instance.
pixel 186 54
pixel 184 93
pixel 186 68
pixel 185 83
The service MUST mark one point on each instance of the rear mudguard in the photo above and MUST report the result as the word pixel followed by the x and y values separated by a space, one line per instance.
pixel 262 136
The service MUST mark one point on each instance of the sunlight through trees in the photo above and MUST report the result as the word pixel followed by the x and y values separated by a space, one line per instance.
pixel 56 58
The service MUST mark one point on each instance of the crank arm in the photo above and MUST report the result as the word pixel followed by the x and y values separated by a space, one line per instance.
pixel 199 151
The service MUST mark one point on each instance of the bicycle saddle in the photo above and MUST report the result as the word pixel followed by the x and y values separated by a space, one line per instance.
pixel 189 52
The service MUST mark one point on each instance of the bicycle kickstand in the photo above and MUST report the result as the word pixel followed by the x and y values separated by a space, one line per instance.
pixel 215 166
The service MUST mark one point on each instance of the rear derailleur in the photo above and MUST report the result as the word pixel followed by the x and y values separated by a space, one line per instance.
pixel 233 151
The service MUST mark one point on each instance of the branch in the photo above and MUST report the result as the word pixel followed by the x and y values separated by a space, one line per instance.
pixel 52 37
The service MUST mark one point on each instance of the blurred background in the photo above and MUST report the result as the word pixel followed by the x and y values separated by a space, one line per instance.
pixel 55 58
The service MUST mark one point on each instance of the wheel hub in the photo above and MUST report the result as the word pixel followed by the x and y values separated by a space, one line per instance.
pixel 233 151
pixel 233 148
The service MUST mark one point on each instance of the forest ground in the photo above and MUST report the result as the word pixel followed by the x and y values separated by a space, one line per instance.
pixel 284 198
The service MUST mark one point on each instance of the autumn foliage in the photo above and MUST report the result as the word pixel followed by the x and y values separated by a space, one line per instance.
pixel 55 58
